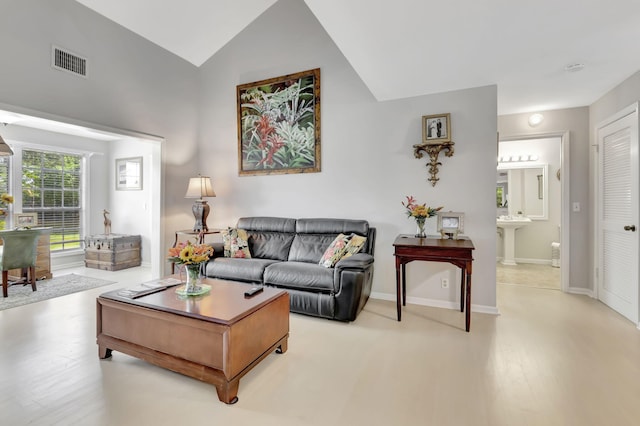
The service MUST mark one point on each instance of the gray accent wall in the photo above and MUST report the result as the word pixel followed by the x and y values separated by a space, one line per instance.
pixel 368 166
pixel 132 84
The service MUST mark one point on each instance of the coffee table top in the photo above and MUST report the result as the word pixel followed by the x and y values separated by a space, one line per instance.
pixel 224 304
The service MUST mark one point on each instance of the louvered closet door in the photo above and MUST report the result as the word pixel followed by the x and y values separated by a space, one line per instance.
pixel 618 195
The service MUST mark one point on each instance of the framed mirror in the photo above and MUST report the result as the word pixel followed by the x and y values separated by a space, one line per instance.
pixel 521 188
pixel 129 174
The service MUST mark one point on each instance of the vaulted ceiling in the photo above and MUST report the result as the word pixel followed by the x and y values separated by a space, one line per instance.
pixel 543 54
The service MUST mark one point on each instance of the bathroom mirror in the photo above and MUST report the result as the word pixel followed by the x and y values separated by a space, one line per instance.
pixel 522 189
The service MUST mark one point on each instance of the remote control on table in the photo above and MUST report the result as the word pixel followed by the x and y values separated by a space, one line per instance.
pixel 253 291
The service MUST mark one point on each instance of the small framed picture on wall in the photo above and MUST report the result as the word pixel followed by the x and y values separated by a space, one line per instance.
pixel 436 128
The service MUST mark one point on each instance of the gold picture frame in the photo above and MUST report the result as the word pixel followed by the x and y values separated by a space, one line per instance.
pixel 450 224
pixel 436 129
pixel 279 125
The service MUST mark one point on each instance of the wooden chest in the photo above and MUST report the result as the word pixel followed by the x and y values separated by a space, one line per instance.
pixel 112 252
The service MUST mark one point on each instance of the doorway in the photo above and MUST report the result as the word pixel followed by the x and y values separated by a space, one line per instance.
pixel 530 186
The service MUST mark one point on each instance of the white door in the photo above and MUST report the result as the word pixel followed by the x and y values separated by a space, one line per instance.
pixel 618 213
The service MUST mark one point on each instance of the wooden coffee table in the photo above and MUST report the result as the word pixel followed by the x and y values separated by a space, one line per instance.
pixel 216 338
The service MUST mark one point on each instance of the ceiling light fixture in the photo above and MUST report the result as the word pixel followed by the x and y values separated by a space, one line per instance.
pixel 535 119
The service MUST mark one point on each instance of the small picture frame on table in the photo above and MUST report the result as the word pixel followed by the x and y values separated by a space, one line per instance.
pixel 450 224
pixel 25 220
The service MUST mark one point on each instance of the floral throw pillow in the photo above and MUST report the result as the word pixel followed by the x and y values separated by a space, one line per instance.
pixel 236 243
pixel 355 244
pixel 335 251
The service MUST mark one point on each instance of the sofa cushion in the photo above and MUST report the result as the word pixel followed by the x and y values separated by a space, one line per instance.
pixel 270 245
pixel 335 251
pixel 309 247
pixel 268 224
pixel 235 243
pixel 248 270
pixel 300 275
pixel 332 226
pixel 355 244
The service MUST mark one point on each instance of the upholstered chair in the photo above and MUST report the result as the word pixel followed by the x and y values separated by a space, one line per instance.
pixel 19 250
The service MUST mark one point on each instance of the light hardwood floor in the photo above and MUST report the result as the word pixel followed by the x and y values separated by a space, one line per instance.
pixel 549 359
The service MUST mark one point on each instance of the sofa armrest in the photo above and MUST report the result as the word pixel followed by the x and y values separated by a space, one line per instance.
pixel 357 261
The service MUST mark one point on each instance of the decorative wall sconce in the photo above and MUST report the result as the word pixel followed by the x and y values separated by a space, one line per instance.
pixel 433 151
pixel 436 137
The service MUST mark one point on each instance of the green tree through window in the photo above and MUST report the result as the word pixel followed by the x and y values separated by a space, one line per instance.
pixel 4 185
pixel 51 187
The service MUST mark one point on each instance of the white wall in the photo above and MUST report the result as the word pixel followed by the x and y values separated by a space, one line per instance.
pixel 131 210
pixel 368 165
pixel 576 122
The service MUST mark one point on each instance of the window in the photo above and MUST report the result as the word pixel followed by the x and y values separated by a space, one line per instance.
pixel 4 187
pixel 51 187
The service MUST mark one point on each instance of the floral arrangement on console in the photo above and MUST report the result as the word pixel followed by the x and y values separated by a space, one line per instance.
pixel 191 256
pixel 420 212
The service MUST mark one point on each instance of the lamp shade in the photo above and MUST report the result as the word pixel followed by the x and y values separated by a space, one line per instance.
pixel 200 187
pixel 5 150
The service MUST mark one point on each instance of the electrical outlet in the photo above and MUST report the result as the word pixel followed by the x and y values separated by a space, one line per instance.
pixel 444 282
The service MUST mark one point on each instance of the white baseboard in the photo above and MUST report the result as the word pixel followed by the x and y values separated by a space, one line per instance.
pixel 581 290
pixel 525 260
pixel 435 303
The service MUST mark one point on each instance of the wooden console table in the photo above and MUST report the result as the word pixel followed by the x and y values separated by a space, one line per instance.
pixel 433 249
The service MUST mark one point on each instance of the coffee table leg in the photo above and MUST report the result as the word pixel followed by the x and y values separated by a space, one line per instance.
pixel 282 348
pixel 104 352
pixel 228 391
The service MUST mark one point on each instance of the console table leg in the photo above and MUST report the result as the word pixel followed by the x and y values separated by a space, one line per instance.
pixel 404 285
pixel 462 289
pixel 468 302
pixel 398 295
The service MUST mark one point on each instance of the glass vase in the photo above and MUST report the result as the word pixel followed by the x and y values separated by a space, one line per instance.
pixel 420 221
pixel 193 275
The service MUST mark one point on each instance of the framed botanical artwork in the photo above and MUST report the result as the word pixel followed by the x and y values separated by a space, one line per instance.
pixel 279 125
pixel 129 174
pixel 436 128
pixel 21 220
pixel 450 224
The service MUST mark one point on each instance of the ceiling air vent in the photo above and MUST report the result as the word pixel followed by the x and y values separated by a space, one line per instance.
pixel 66 61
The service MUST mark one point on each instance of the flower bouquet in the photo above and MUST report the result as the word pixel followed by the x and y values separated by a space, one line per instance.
pixel 420 212
pixel 192 257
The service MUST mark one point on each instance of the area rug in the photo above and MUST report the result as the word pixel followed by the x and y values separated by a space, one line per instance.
pixel 48 289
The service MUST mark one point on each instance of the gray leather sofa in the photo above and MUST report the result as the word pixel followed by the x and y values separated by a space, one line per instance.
pixel 285 254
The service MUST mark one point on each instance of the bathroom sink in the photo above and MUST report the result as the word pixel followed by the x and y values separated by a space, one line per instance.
pixel 513 222
pixel 509 224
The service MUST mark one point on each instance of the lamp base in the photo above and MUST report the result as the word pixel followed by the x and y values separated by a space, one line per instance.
pixel 200 211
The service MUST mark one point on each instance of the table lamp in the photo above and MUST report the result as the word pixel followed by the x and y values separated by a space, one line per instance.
pixel 200 187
